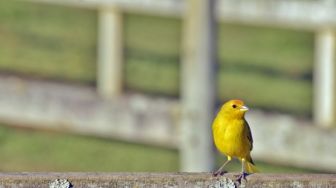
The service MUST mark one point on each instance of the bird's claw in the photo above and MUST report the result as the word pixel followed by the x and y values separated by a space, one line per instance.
pixel 218 173
pixel 242 176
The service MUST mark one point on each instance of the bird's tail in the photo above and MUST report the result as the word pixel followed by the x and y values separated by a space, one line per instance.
pixel 249 165
pixel 250 168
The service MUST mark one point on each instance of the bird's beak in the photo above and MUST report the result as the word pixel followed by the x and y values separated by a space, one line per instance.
pixel 244 108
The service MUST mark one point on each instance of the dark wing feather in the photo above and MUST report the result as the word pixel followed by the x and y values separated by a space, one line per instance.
pixel 249 137
pixel 249 134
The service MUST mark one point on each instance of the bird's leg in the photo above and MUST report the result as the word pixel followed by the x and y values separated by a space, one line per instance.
pixel 243 173
pixel 219 171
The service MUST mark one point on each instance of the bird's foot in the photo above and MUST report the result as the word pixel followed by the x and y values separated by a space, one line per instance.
pixel 219 173
pixel 242 176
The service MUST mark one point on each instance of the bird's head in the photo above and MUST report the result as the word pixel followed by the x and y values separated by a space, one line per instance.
pixel 234 108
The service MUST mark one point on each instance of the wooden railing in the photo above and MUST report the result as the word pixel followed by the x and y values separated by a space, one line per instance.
pixel 185 180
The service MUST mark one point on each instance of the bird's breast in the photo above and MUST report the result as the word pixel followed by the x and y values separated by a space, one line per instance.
pixel 230 139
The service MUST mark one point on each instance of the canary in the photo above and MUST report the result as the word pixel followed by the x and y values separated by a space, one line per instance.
pixel 232 136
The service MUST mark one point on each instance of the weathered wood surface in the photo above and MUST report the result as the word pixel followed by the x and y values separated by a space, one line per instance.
pixel 93 180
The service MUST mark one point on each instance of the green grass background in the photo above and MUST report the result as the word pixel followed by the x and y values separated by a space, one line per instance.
pixel 269 68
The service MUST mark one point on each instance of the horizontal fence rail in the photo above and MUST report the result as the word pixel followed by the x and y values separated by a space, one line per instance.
pixel 155 121
pixel 173 180
pixel 78 109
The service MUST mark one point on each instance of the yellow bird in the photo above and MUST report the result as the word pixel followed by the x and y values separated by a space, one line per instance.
pixel 232 136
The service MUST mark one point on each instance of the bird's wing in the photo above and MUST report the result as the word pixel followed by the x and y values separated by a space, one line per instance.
pixel 249 134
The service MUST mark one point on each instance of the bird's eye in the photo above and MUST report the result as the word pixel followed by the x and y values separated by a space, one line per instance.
pixel 234 106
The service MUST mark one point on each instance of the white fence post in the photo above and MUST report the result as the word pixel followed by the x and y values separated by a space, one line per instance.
pixel 198 86
pixel 110 56
pixel 324 78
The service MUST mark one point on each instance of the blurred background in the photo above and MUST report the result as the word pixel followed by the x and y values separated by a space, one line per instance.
pixel 96 85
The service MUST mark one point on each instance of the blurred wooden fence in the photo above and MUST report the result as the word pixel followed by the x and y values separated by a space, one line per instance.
pixel 198 98
pixel 318 16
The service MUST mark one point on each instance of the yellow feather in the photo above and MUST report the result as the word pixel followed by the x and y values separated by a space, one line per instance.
pixel 231 133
